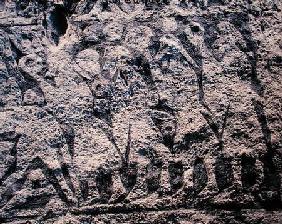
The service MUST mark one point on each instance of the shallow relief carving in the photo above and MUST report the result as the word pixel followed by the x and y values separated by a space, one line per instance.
pixel 141 114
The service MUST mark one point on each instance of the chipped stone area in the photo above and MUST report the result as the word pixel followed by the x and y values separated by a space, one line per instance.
pixel 141 111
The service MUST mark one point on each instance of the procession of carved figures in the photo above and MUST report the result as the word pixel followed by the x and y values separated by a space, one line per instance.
pixel 185 169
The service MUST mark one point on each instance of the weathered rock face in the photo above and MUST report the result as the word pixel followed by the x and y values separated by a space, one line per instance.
pixel 129 111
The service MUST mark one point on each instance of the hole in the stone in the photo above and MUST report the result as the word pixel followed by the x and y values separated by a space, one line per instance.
pixel 59 23
pixel 195 29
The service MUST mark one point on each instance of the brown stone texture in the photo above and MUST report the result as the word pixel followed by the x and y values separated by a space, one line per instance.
pixel 149 111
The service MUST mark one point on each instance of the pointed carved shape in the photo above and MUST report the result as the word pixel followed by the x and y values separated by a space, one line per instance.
pixel 167 125
pixel 128 170
pixel 217 129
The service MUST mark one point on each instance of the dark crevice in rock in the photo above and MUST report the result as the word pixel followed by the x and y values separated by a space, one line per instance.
pixel 223 172
pixel 168 141
pixel 154 45
pixel 129 175
pixel 176 172
pixel 105 5
pixel 194 56
pixel 163 106
pixel 249 173
pixel 216 2
pixel 270 196
pixel 261 115
pixel 84 186
pixel 65 170
pixel 17 53
pixel 274 62
pixel 193 50
pixel 59 23
pixel 104 184
pixel 13 137
pixel 145 70
pixel 9 136
pixel 200 175
pixel 124 77
pixel 22 4
pixel 153 177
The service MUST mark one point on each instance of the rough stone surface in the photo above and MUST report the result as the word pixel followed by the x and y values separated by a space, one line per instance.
pixel 132 111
